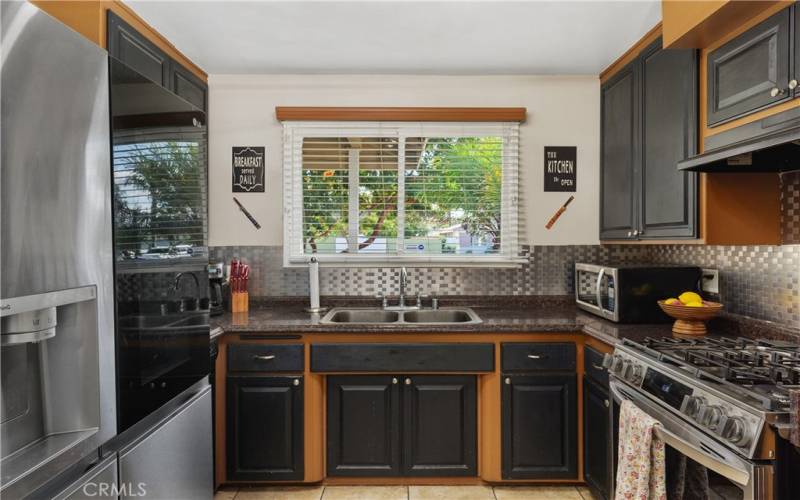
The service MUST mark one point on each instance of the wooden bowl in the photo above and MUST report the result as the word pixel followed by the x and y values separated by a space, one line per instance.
pixel 690 320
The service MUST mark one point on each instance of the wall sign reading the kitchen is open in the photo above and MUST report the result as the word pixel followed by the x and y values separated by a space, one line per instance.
pixel 248 169
pixel 560 168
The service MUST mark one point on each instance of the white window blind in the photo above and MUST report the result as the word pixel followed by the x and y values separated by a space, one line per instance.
pixel 391 193
pixel 160 193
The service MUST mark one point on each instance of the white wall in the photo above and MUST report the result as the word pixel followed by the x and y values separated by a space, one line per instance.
pixel 562 111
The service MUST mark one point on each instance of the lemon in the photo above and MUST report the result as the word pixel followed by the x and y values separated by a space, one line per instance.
pixel 694 304
pixel 687 297
pixel 671 301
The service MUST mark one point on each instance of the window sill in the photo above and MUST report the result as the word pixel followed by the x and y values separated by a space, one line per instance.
pixel 411 261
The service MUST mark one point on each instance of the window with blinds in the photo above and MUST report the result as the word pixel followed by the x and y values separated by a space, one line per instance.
pixel 393 193
pixel 160 194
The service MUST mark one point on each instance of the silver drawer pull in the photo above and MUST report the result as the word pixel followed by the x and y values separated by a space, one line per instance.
pixel 535 356
pixel 596 366
pixel 264 357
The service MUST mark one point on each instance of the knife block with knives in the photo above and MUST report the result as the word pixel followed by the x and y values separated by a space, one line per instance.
pixel 239 279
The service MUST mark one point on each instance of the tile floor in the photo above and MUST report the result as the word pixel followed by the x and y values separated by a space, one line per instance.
pixel 406 493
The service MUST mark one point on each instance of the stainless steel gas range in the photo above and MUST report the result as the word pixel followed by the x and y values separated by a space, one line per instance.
pixel 719 402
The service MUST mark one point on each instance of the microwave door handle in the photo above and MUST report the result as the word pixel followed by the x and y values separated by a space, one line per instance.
pixel 599 283
pixel 735 474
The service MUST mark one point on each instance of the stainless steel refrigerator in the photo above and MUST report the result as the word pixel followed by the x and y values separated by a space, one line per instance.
pixel 61 418
pixel 56 292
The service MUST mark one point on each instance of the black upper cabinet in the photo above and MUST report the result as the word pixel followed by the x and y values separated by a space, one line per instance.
pixel 668 196
pixel 130 47
pixel 440 429
pixel 751 71
pixel 648 124
pixel 540 427
pixel 264 428
pixel 363 425
pixel 185 84
pixel 620 145
pixel 796 77
pixel 136 51
pixel 597 442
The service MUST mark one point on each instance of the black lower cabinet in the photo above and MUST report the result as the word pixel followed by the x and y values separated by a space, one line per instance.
pixel 419 425
pixel 264 428
pixel 539 426
pixel 439 426
pixel 597 442
pixel 363 425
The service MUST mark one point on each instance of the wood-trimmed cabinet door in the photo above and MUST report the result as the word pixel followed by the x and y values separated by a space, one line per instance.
pixel 264 433
pixel 136 51
pixel 363 432
pixel 440 425
pixel 186 85
pixel 668 196
pixel 539 415
pixel 620 148
pixel 795 80
pixel 751 71
pixel 597 440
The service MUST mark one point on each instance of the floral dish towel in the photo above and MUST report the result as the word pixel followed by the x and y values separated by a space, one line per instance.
pixel 641 467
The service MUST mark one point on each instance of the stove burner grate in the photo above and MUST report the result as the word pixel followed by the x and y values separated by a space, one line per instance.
pixel 759 369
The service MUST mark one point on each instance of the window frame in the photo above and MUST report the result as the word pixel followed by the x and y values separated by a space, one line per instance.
pixel 295 132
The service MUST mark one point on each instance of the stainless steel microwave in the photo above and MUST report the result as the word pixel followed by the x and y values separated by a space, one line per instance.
pixel 628 293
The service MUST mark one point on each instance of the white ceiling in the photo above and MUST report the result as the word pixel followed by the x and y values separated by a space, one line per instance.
pixel 401 37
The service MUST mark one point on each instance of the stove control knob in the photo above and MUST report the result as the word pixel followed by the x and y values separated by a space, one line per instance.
pixel 627 370
pixel 692 404
pixel 632 371
pixel 736 432
pixel 711 417
pixel 617 364
pixel 608 360
pixel 637 374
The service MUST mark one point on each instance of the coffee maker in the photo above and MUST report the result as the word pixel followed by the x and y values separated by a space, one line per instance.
pixel 218 288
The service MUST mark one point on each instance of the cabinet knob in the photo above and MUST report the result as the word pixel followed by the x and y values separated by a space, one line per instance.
pixel 508 381
pixel 775 92
pixel 607 403
pixel 296 382
pixel 394 380
pixel 793 84
pixel 408 381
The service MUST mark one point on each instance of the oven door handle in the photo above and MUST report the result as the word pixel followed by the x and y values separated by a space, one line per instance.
pixel 736 474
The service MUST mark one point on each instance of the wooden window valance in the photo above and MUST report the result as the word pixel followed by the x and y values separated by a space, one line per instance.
pixel 399 114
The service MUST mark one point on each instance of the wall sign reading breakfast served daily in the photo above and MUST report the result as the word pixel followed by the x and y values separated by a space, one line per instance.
pixel 560 168
pixel 248 169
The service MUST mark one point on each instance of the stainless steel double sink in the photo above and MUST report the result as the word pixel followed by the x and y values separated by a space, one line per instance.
pixel 445 316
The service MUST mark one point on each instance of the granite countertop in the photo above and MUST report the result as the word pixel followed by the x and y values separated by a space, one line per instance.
pixel 508 314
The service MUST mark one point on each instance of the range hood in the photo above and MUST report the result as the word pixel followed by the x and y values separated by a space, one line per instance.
pixel 770 147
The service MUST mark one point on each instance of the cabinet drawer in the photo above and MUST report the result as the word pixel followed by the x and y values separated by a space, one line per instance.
pixel 538 356
pixel 265 358
pixel 593 366
pixel 402 358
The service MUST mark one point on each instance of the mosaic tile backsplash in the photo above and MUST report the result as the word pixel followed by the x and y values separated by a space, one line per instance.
pixel 762 282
